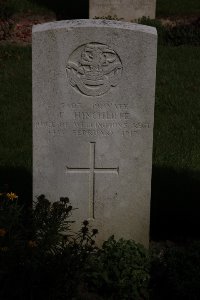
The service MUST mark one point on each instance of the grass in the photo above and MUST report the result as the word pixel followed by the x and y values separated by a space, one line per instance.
pixel 15 120
pixel 15 113
pixel 177 112
pixel 176 155
pixel 177 8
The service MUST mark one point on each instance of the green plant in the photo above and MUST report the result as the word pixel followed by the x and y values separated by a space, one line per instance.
pixel 41 258
pixel 120 270
pixel 48 261
pixel 50 223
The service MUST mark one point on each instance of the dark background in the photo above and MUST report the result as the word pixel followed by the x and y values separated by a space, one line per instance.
pixel 65 9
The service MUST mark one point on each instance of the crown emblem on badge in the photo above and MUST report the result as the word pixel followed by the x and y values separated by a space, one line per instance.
pixel 93 69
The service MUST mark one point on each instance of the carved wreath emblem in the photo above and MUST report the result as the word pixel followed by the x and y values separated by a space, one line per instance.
pixel 93 69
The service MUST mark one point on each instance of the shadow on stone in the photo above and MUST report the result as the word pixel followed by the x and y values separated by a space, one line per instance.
pixel 175 204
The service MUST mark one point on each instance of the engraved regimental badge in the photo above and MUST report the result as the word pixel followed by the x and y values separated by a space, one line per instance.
pixel 93 69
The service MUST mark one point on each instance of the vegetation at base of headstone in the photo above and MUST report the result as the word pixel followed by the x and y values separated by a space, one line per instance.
pixel 45 259
pixel 176 35
pixel 42 259
pixel 120 270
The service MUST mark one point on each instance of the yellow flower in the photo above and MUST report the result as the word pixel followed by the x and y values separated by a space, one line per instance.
pixel 2 232
pixel 11 196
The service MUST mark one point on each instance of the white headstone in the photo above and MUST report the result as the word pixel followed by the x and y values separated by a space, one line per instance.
pixel 128 10
pixel 93 111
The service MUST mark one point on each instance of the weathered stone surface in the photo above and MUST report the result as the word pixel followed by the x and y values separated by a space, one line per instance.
pixel 93 108
pixel 128 10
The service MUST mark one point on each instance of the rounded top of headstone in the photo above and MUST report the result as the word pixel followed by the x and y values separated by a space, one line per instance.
pixel 94 23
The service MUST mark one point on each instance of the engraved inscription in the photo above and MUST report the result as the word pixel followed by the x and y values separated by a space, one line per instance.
pixel 114 3
pixel 93 69
pixel 107 115
pixel 89 132
pixel 101 119
pixel 115 6
pixel 92 170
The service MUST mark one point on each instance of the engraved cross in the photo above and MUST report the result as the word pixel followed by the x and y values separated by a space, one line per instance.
pixel 92 170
